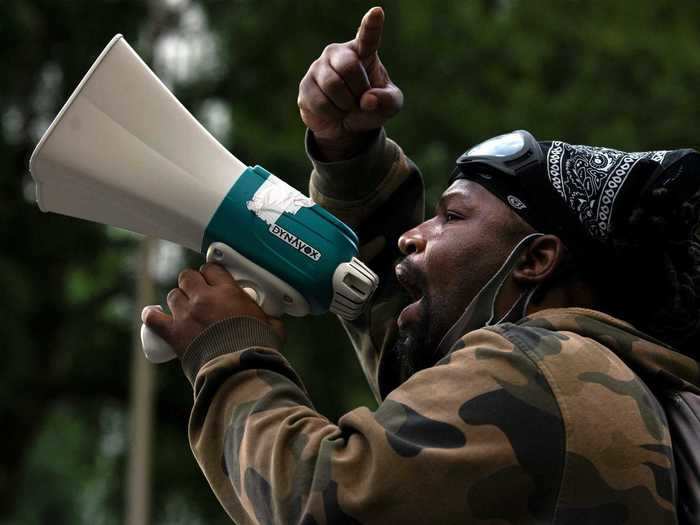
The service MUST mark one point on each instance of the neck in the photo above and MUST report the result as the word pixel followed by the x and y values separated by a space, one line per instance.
pixel 574 294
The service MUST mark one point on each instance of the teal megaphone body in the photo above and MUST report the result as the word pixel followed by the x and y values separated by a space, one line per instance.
pixel 123 151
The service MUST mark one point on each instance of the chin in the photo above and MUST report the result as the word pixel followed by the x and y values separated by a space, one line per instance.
pixel 418 339
pixel 414 349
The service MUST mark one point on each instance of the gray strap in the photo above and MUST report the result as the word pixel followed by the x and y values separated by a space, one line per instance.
pixel 480 311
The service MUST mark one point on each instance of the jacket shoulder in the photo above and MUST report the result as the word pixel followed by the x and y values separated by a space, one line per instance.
pixel 510 457
pixel 618 456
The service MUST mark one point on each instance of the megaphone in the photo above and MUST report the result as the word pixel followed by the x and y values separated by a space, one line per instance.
pixel 124 151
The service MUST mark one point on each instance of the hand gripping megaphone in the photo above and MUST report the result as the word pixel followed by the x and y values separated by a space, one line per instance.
pixel 124 151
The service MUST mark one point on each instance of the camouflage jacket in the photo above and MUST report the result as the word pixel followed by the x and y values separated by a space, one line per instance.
pixel 547 420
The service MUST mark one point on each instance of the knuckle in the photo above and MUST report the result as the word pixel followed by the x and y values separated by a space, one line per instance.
pixel 199 303
pixel 173 295
pixel 346 61
pixel 329 80
pixel 220 270
pixel 325 106
pixel 321 103
pixel 306 116
pixel 185 275
pixel 313 67
pixel 330 49
pixel 302 85
pixel 208 268
pixel 149 317
pixel 347 69
pixel 306 82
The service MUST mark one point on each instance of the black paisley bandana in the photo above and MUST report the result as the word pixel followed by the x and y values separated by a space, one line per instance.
pixel 589 180
pixel 586 194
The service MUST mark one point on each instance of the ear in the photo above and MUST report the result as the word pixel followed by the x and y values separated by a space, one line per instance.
pixel 540 260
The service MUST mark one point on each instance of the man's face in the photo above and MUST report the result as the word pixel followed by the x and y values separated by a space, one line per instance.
pixel 448 259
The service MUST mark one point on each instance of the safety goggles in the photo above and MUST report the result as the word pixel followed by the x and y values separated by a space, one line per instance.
pixel 509 154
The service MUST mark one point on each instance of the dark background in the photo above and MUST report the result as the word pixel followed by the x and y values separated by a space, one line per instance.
pixel 620 74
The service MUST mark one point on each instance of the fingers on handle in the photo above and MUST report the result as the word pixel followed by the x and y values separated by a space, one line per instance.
pixel 189 280
pixel 215 274
pixel 369 35
pixel 177 302
pixel 157 320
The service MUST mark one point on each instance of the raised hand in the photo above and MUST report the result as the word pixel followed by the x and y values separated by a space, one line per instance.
pixel 347 91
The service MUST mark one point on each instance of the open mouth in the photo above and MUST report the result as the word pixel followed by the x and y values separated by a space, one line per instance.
pixel 407 279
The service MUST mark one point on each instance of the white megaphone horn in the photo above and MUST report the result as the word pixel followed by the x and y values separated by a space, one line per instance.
pixel 124 151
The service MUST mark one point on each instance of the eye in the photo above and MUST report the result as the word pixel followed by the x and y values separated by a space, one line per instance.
pixel 451 216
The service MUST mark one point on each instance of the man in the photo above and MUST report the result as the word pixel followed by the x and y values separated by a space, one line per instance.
pixel 508 394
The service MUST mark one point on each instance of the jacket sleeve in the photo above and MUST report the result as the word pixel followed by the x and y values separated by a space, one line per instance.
pixel 380 195
pixel 470 440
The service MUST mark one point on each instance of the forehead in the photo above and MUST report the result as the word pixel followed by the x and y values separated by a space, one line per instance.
pixel 477 200
pixel 469 192
pixel 483 206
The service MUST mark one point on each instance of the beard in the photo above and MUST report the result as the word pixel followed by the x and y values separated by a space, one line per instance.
pixel 415 345
pixel 417 342
pixel 418 339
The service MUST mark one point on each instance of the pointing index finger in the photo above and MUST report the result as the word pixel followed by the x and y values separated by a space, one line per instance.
pixel 369 36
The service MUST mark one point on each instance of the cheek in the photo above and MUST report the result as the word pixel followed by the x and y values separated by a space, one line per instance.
pixel 458 264
pixel 450 261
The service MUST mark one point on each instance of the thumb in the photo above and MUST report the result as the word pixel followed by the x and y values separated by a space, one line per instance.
pixel 369 35
pixel 157 320
pixel 386 101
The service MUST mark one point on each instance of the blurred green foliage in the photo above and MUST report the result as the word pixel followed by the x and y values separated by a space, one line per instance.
pixel 619 74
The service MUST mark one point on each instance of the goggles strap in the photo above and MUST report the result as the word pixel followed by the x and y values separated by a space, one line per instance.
pixel 481 310
pixel 518 310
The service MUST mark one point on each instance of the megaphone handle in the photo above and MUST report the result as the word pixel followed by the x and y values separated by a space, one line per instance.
pixel 273 295
pixel 154 346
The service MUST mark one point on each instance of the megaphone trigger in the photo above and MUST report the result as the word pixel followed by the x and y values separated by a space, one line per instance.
pixel 252 293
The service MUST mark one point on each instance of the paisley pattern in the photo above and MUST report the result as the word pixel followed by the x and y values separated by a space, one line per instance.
pixel 589 180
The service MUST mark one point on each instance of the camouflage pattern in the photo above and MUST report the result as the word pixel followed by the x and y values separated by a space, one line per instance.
pixel 548 420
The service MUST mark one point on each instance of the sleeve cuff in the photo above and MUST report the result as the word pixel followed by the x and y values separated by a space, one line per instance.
pixel 351 179
pixel 225 337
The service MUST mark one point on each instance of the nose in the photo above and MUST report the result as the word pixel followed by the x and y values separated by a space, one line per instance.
pixel 412 241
